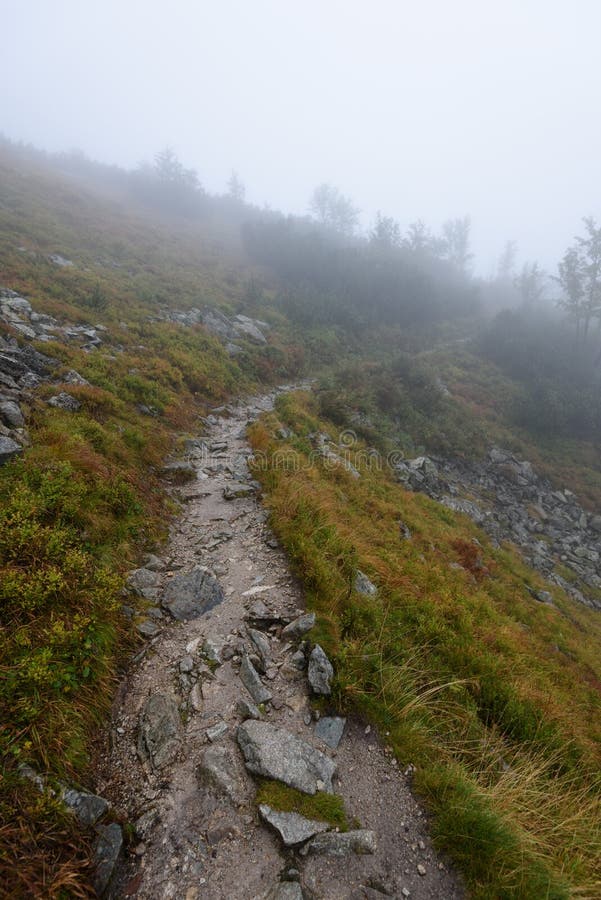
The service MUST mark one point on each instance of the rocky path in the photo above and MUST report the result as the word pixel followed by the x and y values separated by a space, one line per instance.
pixel 221 694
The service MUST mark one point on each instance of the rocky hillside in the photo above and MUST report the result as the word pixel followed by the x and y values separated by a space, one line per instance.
pixel 333 637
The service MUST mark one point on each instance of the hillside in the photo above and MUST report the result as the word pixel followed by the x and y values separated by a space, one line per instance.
pixel 128 327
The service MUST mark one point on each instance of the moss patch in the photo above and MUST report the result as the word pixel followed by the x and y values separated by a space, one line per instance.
pixel 323 807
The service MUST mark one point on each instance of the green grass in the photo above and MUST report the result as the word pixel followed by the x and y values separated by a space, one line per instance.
pixel 494 698
pixel 86 499
pixel 321 806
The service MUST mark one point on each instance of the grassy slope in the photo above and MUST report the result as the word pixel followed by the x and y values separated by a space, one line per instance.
pixel 494 698
pixel 461 673
pixel 85 500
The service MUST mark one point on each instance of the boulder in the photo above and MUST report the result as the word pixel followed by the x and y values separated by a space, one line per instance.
pixel 276 753
pixel 144 583
pixel 147 628
pixel 299 626
pixel 106 853
pixel 8 449
pixel 87 808
pixel 159 738
pixel 66 402
pixel 248 328
pixel 330 729
pixel 252 682
pixel 189 595
pixel 11 415
pixel 335 843
pixel 320 672
pixel 291 827
pixel 364 586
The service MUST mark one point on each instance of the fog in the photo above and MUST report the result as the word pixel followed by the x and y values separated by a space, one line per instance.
pixel 421 110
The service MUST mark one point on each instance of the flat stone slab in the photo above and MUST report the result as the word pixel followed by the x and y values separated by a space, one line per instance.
pixel 159 738
pixel 237 490
pixel 219 772
pixel 276 753
pixel 342 843
pixel 191 594
pixel 329 729
pixel 252 682
pixel 292 828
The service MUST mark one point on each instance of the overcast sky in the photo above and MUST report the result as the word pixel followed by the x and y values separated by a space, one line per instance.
pixel 422 109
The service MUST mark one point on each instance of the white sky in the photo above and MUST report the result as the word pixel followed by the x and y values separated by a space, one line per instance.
pixel 428 108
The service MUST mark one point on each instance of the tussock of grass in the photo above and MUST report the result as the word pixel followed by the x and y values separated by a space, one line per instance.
pixel 321 806
pixel 494 698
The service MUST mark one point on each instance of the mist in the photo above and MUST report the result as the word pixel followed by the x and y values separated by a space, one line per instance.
pixel 429 110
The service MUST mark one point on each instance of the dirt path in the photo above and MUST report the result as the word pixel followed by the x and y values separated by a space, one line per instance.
pixel 198 833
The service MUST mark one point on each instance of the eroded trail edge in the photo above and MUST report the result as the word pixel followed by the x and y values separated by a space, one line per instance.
pixel 221 697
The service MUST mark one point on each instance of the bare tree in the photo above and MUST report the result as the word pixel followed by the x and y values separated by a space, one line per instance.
pixel 530 284
pixel 580 278
pixel 334 210
pixel 386 232
pixel 456 236
pixel 236 189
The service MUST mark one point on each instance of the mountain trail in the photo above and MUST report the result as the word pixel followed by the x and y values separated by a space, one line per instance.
pixel 219 692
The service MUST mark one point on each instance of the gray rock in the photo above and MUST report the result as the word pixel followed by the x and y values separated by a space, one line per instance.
pixel 106 853
pixel 299 626
pixel 11 415
pixel 141 579
pixel 88 808
pixel 275 753
pixel 147 628
pixel 291 827
pixel 159 737
pixel 212 649
pixel 335 843
pixel 216 732
pixel 261 643
pixel 219 772
pixel 247 710
pixel 154 563
pixel 252 682
pixel 65 401
pixel 363 585
pixel 73 377
pixel 186 664
pixel 61 261
pixel 595 523
pixel 320 672
pixel 298 660
pixel 190 595
pixel 146 822
pixel 179 470
pixel 285 890
pixel 8 449
pixel 330 729
pixel 248 328
pixel 237 490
